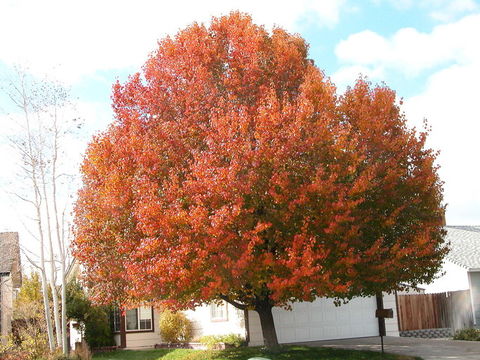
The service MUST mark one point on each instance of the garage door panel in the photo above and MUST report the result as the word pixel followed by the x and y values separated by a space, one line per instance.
pixel 330 316
pixel 317 332
pixel 301 317
pixel 302 333
pixel 317 316
pixel 322 320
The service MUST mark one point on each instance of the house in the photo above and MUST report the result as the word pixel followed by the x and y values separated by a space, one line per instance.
pixel 318 320
pixel 307 321
pixel 461 267
pixel 10 277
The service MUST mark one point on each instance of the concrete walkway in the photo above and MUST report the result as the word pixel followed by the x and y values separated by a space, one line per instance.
pixel 428 349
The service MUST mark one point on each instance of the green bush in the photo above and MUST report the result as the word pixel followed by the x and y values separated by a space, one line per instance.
pixel 96 319
pixel 98 331
pixel 211 341
pixel 467 334
pixel 234 340
pixel 175 327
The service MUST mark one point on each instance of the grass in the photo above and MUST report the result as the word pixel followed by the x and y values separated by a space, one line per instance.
pixel 245 353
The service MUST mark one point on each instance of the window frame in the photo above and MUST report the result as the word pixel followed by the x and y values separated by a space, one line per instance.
pixel 214 317
pixel 117 314
pixel 138 330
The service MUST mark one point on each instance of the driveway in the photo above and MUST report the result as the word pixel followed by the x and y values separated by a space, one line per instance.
pixel 428 349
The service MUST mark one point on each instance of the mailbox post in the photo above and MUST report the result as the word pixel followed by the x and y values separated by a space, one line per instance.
pixel 381 314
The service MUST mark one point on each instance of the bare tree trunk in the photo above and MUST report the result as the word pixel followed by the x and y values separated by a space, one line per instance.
pixel 53 285
pixel 60 237
pixel 29 151
pixel 37 200
pixel 264 310
pixel 263 306
pixel 40 149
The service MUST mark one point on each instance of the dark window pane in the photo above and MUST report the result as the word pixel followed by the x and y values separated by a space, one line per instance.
pixel 116 320
pixel 132 319
pixel 145 324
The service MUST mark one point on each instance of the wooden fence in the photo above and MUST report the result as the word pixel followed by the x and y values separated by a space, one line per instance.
pixel 432 311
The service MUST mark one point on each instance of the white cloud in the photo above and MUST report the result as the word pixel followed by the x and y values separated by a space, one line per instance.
pixel 449 100
pixel 450 103
pixel 453 8
pixel 347 75
pixel 80 37
pixel 410 51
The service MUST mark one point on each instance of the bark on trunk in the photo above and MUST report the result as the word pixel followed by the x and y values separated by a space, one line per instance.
pixel 270 340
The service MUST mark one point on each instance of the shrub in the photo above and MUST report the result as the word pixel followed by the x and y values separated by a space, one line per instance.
pixel 98 331
pixel 55 355
pixel 10 351
pixel 467 334
pixel 211 341
pixel 27 344
pixel 96 319
pixel 175 327
pixel 234 340
pixel 82 352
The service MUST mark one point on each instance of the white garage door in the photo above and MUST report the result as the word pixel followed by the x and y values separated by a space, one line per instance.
pixel 320 320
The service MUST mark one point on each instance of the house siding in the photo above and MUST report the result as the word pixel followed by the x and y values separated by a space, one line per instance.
pixel 474 279
pixel 202 325
pixel 6 302
pixel 142 340
pixel 453 278
pixel 391 325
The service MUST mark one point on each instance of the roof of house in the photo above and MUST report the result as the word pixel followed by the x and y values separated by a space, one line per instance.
pixel 464 246
pixel 9 251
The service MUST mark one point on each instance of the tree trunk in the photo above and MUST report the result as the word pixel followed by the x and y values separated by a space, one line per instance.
pixel 53 285
pixel 60 238
pixel 264 310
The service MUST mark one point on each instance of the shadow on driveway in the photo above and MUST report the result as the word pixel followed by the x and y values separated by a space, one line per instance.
pixel 428 349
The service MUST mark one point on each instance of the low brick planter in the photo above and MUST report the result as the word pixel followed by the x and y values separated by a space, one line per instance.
pixel 428 333
pixel 104 349
pixel 191 345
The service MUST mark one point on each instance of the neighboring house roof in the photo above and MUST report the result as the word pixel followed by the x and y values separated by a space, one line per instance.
pixel 10 256
pixel 464 246
pixel 73 270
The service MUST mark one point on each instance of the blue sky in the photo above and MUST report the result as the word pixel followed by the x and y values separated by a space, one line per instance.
pixel 427 50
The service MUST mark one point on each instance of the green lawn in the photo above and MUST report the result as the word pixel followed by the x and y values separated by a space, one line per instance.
pixel 288 353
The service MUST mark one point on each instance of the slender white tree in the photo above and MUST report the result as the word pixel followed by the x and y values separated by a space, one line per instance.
pixel 41 107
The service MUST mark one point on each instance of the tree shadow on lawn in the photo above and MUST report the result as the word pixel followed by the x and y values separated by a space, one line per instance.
pixel 158 354
pixel 303 353
pixel 245 353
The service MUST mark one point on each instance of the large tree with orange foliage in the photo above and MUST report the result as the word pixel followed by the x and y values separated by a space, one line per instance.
pixel 234 171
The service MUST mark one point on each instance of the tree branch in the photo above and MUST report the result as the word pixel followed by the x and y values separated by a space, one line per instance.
pixel 233 302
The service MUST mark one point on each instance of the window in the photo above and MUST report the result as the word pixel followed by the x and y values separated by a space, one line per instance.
pixel 131 318
pixel 116 320
pixel 145 318
pixel 218 312
pixel 138 319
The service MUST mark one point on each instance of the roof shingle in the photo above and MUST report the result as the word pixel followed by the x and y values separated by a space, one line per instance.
pixel 9 251
pixel 464 246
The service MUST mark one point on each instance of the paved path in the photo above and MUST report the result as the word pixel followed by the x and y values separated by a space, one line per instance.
pixel 428 349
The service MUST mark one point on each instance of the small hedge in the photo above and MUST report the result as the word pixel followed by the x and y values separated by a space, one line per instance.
pixel 211 341
pixel 175 327
pixel 467 334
